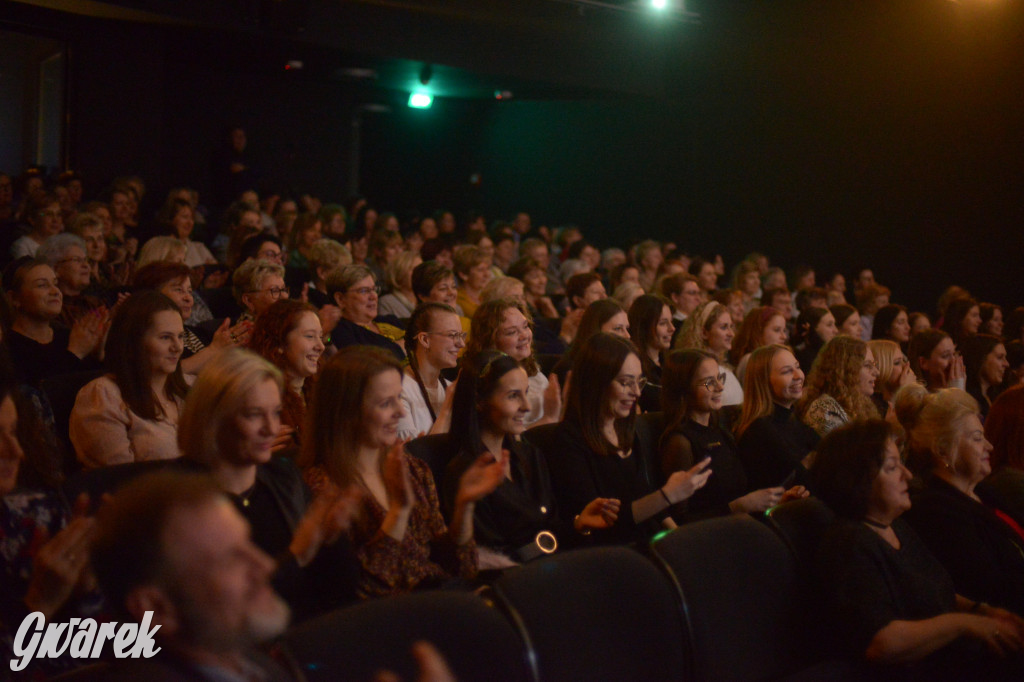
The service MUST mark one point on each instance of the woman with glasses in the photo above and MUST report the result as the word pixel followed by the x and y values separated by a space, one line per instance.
pixel 354 290
pixel 840 385
pixel 44 220
pixel 651 328
pixel 691 396
pixel 257 285
pixel 597 452
pixel 504 324
pixel 434 339
pixel 710 328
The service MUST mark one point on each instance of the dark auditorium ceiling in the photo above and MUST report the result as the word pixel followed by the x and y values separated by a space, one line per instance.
pixel 531 48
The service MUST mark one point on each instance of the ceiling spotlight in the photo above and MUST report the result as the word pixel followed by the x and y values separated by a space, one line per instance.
pixel 420 100
pixel 659 4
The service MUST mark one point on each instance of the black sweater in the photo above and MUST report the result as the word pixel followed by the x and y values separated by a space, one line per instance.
pixel 773 447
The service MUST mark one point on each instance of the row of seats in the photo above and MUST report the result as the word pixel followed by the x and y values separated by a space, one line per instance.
pixel 719 600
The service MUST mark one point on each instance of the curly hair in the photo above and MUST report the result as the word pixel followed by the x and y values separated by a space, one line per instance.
pixel 268 339
pixel 487 319
pixel 835 373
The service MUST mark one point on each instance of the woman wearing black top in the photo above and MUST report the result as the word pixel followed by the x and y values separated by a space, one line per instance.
pixel 814 328
pixel 691 397
pixel 986 364
pixel 887 600
pixel 596 451
pixel 773 444
pixel 982 551
pixel 491 408
pixel 651 328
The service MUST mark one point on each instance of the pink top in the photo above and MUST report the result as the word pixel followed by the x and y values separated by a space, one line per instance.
pixel 105 431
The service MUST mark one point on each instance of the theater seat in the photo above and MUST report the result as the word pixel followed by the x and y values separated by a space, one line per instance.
pixel 436 451
pixel 741 598
pixel 800 524
pixel 354 643
pixel 597 614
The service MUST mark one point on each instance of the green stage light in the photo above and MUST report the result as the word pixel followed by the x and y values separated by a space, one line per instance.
pixel 420 100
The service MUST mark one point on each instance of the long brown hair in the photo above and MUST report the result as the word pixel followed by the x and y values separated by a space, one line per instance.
pixel 268 339
pixel 596 365
pixel 758 400
pixel 677 377
pixel 336 412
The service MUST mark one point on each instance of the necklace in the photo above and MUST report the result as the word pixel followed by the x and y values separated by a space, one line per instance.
pixel 874 524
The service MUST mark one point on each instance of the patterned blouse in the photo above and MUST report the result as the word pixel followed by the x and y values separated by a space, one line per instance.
pixel 825 414
pixel 426 555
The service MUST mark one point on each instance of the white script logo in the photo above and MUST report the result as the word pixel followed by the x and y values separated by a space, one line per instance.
pixel 81 638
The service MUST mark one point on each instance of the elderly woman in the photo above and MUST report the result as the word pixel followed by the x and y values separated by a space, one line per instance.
pixel 354 290
pixel 402 300
pixel 131 413
pixel 946 444
pixel 230 426
pixel 399 536
pixel 889 601
pixel 289 334
pixel 65 253
pixel 256 285
pixel 840 385
pixel 89 227
pixel 39 346
pixel 434 340
pixel 773 444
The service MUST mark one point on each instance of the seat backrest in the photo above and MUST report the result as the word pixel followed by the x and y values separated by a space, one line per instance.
pixel 800 524
pixel 597 614
pixel 61 391
pixel 354 643
pixel 109 479
pixel 740 588
pixel 543 437
pixel 436 450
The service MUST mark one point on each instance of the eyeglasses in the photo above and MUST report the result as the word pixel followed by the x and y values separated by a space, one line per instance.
pixel 77 260
pixel 365 291
pixel 275 292
pixel 632 384
pixel 451 336
pixel 269 255
pixel 713 382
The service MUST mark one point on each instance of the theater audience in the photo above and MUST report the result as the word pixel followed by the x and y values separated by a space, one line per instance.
pixel 763 326
pixel 985 364
pixel 888 603
pixel 991 319
pixel 434 340
pixel 473 266
pixel 256 284
pixel 773 445
pixel 605 315
pixel 962 319
pixel 131 413
pixel 710 328
pixel 44 218
pixel 535 281
pixel 177 219
pixel 893 373
pixel 814 328
pixel 65 253
pixel 892 323
pixel 401 300
pixel 597 452
pixel 840 385
pixel 935 360
pixel 651 330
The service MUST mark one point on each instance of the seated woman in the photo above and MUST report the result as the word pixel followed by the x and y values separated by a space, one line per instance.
pixel 289 335
pixel 946 444
pixel 161 248
pixel 893 373
pixel 354 290
pixel 847 319
pixel 763 326
pixel 325 256
pixel 401 301
pixel 651 329
pixel 230 426
pixel 934 359
pixel 710 329
pixel 256 285
pixel 535 281
pixel 962 319
pixel 991 319
pixel 597 452
pixel 814 328
pixel 1004 428
pixel 504 325
pixel 399 535
pixel 985 364
pixel 490 408
pixel 177 219
pixel 887 600
pixel 691 398
pixel 173 281
pixel 473 266
pixel 44 218
pixel 306 232
pixel 131 414
pixel 604 315
pixel 774 446
pixel 434 338
pixel 40 348
pixel 840 385
pixel 893 324
pixel 385 246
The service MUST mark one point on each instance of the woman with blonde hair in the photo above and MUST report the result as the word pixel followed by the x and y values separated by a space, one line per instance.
pixel 893 372
pixel 505 325
pixel 161 249
pixel 230 426
pixel 982 549
pixel 840 385
pixel 401 300
pixel 773 444
pixel 400 537
pixel 710 328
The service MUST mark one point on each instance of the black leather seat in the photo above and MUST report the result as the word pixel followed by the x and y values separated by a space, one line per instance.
pixel 800 524
pixel 436 451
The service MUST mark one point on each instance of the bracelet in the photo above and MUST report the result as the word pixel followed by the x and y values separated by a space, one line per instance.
pixel 582 531
pixel 662 491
